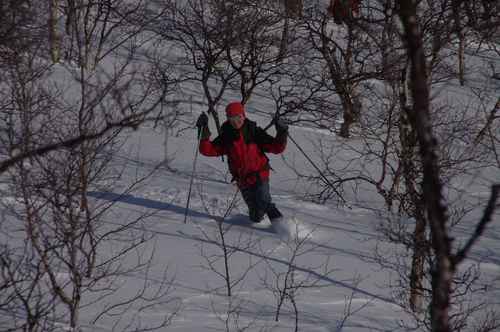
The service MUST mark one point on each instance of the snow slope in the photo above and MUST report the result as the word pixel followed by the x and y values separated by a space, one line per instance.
pixel 332 258
pixel 324 254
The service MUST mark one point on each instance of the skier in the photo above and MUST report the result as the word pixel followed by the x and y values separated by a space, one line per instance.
pixel 245 145
pixel 342 10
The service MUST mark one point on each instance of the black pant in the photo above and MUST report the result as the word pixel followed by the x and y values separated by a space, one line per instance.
pixel 259 202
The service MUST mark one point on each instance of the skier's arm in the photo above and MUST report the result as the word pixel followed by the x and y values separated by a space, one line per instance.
pixel 212 148
pixel 271 144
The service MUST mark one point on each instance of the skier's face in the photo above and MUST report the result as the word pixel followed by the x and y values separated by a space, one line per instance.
pixel 236 121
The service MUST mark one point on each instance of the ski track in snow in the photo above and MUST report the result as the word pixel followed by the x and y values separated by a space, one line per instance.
pixel 292 229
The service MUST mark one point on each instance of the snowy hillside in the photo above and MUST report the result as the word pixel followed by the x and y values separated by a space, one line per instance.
pixel 110 220
pixel 330 257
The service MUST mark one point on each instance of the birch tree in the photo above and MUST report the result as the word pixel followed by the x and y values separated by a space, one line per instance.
pixel 446 261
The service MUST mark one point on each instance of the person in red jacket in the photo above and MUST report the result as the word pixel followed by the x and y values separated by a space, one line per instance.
pixel 245 145
pixel 342 10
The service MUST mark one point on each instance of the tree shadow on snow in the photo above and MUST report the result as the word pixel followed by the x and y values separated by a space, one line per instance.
pixel 235 220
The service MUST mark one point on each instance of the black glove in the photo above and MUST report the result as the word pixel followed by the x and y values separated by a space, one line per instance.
pixel 202 125
pixel 281 125
pixel 202 121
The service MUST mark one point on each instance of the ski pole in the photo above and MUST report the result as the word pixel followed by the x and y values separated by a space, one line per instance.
pixel 192 174
pixel 277 115
pixel 317 169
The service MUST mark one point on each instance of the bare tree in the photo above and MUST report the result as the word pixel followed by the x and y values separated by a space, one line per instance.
pixel 96 29
pixel 64 231
pixel 389 138
pixel 220 262
pixel 99 32
pixel 54 35
pixel 58 137
pixel 411 196
pixel 286 282
pixel 225 45
pixel 446 262
pixel 24 301
pixel 195 27
pixel 250 44
pixel 344 61
pixel 233 316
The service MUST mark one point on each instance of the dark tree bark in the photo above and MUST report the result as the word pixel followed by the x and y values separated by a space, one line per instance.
pixel 294 8
pixel 443 268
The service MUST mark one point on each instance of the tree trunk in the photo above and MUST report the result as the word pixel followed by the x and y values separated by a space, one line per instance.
pixel 351 106
pixel 443 267
pixel 284 40
pixel 347 91
pixel 461 43
pixel 417 266
pixel 84 205
pixel 54 36
pixel 350 115
pixel 461 63
pixel 415 208
pixel 294 8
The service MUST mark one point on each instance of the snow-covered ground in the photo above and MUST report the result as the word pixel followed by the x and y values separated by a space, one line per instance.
pixel 328 249
pixel 325 254
pixel 333 248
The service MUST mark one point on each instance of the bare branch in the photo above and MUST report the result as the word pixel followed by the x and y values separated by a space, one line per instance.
pixel 481 226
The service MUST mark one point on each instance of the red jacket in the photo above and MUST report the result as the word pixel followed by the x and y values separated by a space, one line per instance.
pixel 343 9
pixel 245 150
